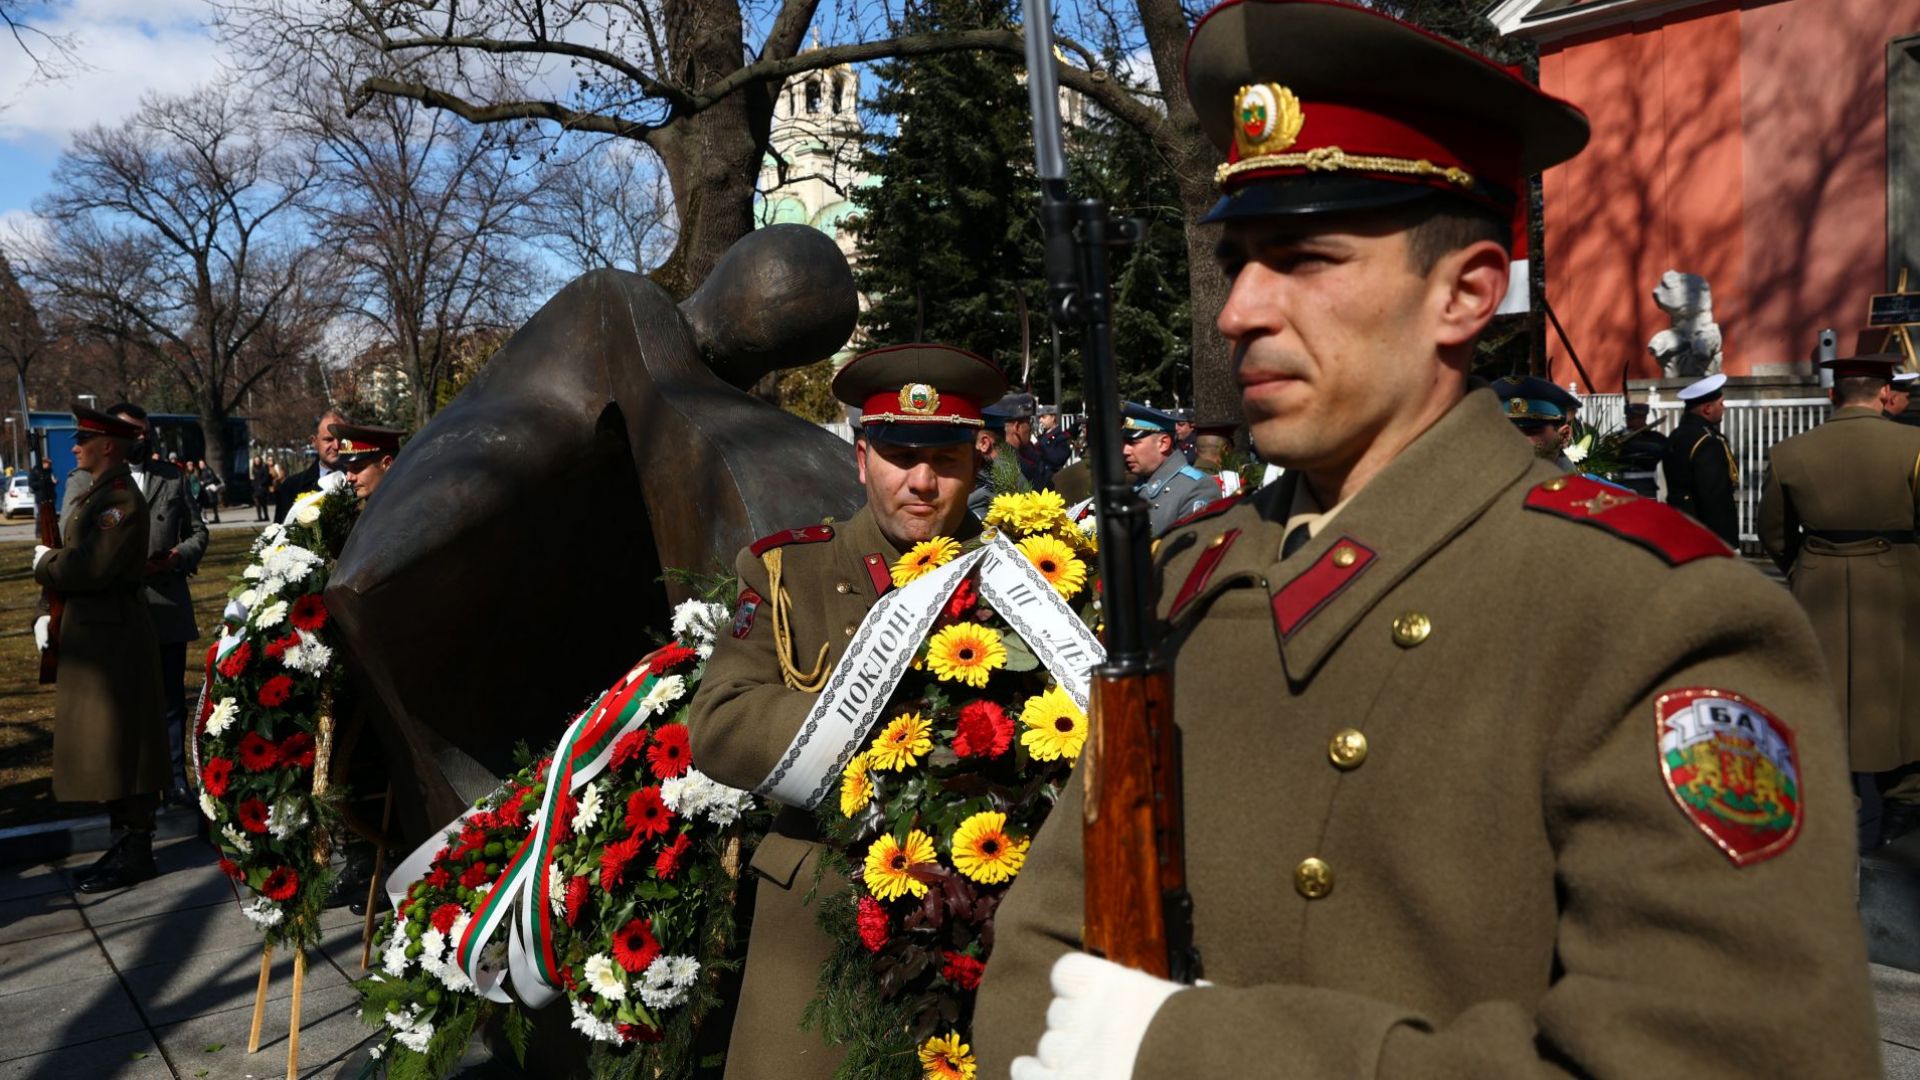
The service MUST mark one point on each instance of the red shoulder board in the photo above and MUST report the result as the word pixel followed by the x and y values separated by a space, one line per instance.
pixel 812 534
pixel 1217 506
pixel 1659 528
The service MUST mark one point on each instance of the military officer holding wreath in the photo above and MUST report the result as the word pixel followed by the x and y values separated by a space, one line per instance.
pixel 1838 515
pixel 1415 848
pixel 1698 464
pixel 803 595
pixel 109 740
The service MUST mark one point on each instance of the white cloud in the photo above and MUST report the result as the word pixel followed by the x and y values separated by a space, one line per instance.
pixel 128 48
pixel 21 230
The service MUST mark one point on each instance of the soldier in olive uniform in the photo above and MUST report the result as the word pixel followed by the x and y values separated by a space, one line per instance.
pixel 803 594
pixel 1172 488
pixel 1699 467
pixel 1415 849
pixel 109 744
pixel 1838 515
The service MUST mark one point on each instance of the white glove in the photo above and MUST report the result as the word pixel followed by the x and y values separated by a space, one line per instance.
pixel 39 552
pixel 42 626
pixel 1097 1021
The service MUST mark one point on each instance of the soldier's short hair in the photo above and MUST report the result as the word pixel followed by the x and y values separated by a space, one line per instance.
pixel 1442 226
pixel 1856 388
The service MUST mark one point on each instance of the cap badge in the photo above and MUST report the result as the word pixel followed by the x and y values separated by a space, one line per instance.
pixel 919 399
pixel 1516 406
pixel 1267 119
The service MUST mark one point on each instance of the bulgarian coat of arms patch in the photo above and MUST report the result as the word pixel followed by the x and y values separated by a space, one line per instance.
pixel 1731 768
pixel 743 612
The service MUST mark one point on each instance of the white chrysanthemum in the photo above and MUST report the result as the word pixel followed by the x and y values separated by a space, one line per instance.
pixel 557 892
pixel 222 716
pixel 286 816
pixel 664 693
pixel 310 657
pixel 271 615
pixel 237 838
pixel 411 1029
pixel 696 620
pixel 208 809
pixel 589 811
pixel 263 912
pixel 1576 452
pixel 603 977
pixel 432 944
pixel 682 970
pixel 725 804
pixel 454 977
pixel 664 984
pixel 687 794
pixel 592 1026
pixel 254 572
pixel 376 1051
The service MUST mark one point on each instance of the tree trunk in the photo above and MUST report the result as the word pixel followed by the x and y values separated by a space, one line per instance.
pixel 213 421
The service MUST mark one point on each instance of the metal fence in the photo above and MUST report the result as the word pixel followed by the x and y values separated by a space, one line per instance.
pixel 1751 426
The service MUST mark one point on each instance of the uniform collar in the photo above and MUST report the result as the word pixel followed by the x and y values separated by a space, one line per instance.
pixel 862 534
pixel 1856 412
pixel 1163 475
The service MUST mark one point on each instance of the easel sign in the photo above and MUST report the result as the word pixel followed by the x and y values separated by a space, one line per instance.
pixel 1898 311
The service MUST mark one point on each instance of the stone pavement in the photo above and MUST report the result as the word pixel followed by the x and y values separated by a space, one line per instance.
pixel 157 982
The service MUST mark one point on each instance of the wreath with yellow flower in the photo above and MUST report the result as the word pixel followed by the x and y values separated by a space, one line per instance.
pixel 936 814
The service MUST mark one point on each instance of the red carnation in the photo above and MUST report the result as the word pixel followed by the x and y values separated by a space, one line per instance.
pixel 215 774
pixel 647 813
pixel 639 1033
pixel 629 747
pixel 309 612
pixel 277 648
pixel 281 884
pixel 614 859
pixel 634 947
pixel 964 597
pixel 668 656
pixel 670 755
pixel 229 868
pixel 237 660
pixel 297 750
pixel 439 878
pixel 873 923
pixel 276 691
pixel 961 970
pixel 512 813
pixel 257 754
pixel 444 915
pixel 667 863
pixel 983 730
pixel 475 876
pixel 576 897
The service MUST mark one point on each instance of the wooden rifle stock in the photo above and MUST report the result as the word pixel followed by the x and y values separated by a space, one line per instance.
pixel 46 523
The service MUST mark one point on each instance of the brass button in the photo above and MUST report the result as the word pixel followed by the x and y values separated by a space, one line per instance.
pixel 1313 878
pixel 1347 748
pixel 1345 556
pixel 1217 541
pixel 1558 483
pixel 1411 628
pixel 850 628
pixel 843 588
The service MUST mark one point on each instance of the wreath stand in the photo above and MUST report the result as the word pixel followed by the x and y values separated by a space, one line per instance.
pixel 322 851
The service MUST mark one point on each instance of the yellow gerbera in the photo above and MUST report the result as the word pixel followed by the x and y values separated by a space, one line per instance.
pixel 945 1057
pixel 902 742
pixel 1056 562
pixel 965 652
pixel 856 787
pixel 1056 728
pixel 983 851
pixel 890 865
pixel 926 556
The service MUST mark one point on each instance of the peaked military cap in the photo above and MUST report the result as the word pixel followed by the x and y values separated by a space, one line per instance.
pixel 94 422
pixel 1142 420
pixel 921 394
pixel 1905 380
pixel 1531 397
pixel 1872 366
pixel 361 443
pixel 1323 106
pixel 1703 391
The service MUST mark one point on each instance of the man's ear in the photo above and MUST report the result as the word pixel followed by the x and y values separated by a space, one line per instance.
pixel 1474 280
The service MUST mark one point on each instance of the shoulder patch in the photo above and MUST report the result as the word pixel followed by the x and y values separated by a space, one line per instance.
pixel 812 534
pixel 110 517
pixel 1659 528
pixel 1731 768
pixel 1217 506
pixel 743 612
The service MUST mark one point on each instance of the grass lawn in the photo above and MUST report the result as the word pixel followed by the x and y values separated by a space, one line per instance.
pixel 26 707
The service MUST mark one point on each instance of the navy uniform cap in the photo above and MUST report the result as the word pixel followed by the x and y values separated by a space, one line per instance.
pixel 1905 380
pixel 1702 391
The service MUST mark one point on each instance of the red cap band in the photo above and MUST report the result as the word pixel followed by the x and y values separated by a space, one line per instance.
pixel 920 403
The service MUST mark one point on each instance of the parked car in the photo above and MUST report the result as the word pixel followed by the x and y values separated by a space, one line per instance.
pixel 19 497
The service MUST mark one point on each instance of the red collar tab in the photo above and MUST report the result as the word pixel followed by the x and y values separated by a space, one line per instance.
pixel 1202 571
pixel 879 573
pixel 1668 533
pixel 812 534
pixel 1306 595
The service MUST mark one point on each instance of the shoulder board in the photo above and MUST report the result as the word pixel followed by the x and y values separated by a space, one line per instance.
pixel 812 534
pixel 1653 525
pixel 1217 506
pixel 120 485
pixel 1192 473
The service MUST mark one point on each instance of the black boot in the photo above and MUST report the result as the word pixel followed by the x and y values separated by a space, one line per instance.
pixel 107 858
pixel 133 866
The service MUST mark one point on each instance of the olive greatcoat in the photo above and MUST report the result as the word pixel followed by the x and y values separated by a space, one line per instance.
pixel 742 720
pixel 108 740
pixel 1509 888
pixel 1826 490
